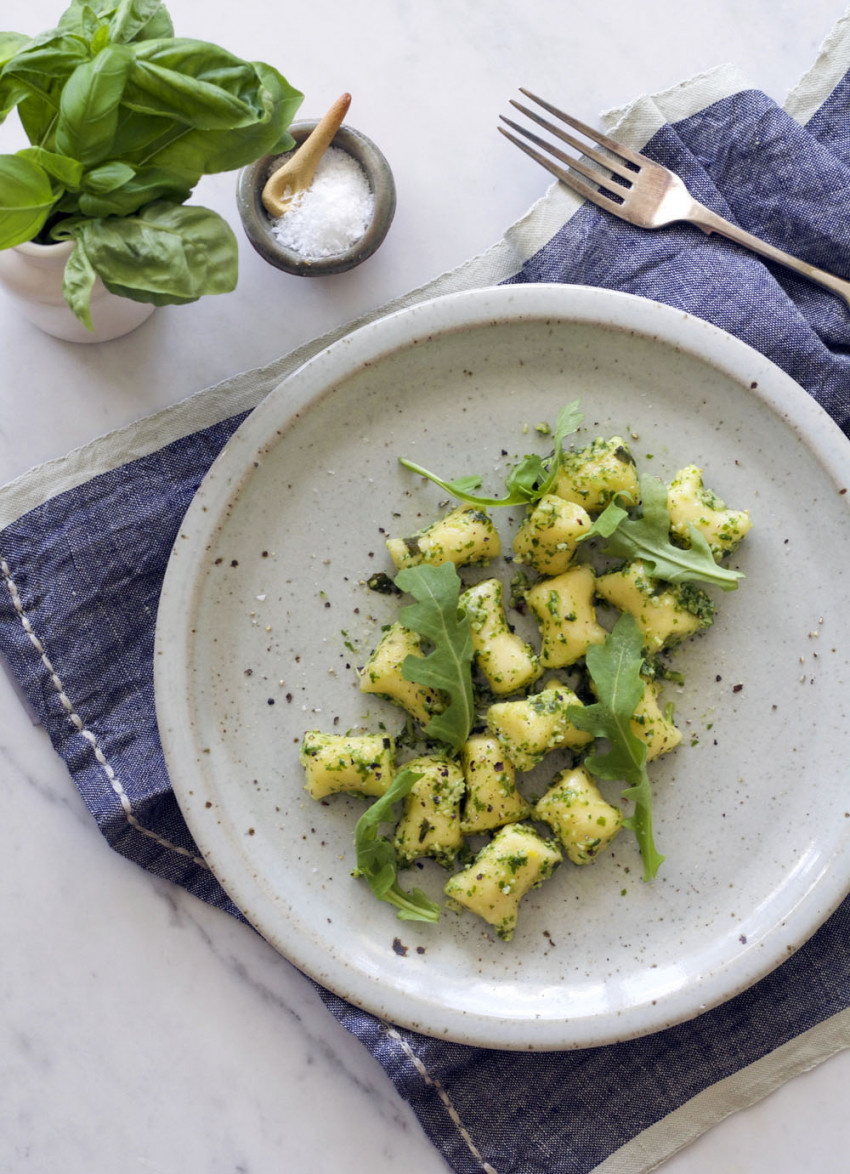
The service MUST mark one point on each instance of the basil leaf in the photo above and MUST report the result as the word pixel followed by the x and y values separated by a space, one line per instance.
pixel 26 197
pixel 168 255
pixel 140 20
pixel 50 55
pixel 69 172
pixel 77 284
pixel 10 44
pixel 11 90
pixel 38 113
pixel 194 82
pixel 88 110
pixel 143 187
pixel 207 152
pixel 140 136
pixel 107 177
pixel 81 18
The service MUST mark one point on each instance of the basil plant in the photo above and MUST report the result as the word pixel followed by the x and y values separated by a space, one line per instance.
pixel 124 119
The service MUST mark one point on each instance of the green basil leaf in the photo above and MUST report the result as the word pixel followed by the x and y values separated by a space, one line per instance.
pixel 107 177
pixel 38 114
pixel 69 172
pixel 207 152
pixel 88 111
pixel 138 137
pixel 144 187
pixel 80 19
pixel 77 284
pixel 140 20
pixel 126 20
pixel 11 93
pixel 11 90
pixel 50 55
pixel 194 82
pixel 26 198
pixel 10 44
pixel 99 40
pixel 168 255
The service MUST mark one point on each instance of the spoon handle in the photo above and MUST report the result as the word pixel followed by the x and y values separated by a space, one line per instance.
pixel 296 174
pixel 313 147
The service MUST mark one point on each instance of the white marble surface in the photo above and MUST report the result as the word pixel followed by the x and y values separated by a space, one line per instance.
pixel 139 1029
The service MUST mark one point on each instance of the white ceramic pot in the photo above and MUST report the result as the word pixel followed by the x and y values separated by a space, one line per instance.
pixel 32 275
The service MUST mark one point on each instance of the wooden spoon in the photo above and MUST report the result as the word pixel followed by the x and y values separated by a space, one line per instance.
pixel 296 174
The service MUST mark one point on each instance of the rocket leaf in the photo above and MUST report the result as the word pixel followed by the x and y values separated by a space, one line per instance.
pixel 376 856
pixel 648 538
pixel 528 481
pixel 615 668
pixel 438 616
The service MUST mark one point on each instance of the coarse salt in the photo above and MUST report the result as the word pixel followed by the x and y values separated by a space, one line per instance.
pixel 333 213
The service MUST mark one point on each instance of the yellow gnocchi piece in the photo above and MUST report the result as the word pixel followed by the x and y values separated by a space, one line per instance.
pixel 530 727
pixel 361 764
pixel 465 537
pixel 508 663
pixel 666 615
pixel 382 675
pixel 547 538
pixel 652 726
pixel 593 475
pixel 689 503
pixel 492 798
pixel 430 820
pixel 563 608
pixel 580 817
pixel 515 861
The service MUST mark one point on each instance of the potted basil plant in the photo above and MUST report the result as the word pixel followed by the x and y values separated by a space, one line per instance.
pixel 123 119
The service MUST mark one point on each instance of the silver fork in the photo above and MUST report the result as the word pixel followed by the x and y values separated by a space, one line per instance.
pixel 638 190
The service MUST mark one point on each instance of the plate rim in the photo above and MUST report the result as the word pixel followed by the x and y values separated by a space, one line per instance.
pixel 384 335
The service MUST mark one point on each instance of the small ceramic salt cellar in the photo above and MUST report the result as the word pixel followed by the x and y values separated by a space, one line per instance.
pixel 336 223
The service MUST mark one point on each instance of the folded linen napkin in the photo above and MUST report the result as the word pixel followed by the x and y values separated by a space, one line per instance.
pixel 84 545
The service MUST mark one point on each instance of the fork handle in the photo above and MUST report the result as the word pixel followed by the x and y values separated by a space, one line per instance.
pixel 710 222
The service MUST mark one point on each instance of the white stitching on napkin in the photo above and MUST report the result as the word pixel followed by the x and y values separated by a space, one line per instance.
pixel 444 1097
pixel 79 724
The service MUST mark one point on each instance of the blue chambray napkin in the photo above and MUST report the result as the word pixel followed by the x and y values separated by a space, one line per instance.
pixel 82 572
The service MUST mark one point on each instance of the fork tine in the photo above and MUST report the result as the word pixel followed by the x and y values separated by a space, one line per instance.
pixel 582 127
pixel 593 195
pixel 570 160
pixel 605 161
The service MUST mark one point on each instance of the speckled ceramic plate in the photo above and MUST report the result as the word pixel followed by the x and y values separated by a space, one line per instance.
pixel 265 616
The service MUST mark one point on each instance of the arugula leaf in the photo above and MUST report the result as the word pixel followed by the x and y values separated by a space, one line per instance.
pixel 438 616
pixel 648 538
pixel 615 669
pixel 376 856
pixel 528 481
